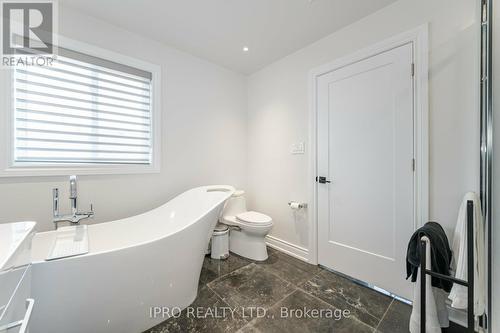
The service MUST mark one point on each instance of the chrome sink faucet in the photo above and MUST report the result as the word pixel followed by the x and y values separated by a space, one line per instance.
pixel 75 217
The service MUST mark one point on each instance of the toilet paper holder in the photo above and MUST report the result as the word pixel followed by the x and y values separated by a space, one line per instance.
pixel 297 205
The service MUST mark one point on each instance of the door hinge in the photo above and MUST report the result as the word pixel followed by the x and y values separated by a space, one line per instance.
pixel 412 69
pixel 413 164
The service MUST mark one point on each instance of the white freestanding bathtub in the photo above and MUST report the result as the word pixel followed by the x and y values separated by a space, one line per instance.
pixel 152 259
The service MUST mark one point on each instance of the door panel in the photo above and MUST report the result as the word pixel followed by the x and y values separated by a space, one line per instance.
pixel 365 148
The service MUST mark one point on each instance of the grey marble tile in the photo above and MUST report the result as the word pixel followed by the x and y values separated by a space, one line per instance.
pixel 397 318
pixel 249 328
pixel 288 269
pixel 239 283
pixel 251 286
pixel 213 268
pixel 290 316
pixel 300 264
pixel 367 305
pixel 207 302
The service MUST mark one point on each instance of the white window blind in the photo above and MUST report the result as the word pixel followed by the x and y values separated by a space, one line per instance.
pixel 82 110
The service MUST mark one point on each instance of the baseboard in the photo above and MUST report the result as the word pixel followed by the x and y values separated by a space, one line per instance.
pixel 288 248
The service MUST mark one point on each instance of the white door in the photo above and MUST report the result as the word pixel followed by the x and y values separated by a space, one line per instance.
pixel 366 151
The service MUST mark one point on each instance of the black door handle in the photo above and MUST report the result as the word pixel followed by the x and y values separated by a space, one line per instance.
pixel 322 180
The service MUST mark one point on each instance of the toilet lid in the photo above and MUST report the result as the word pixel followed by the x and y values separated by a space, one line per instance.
pixel 253 217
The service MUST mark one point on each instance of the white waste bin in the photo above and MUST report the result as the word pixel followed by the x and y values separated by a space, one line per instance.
pixel 220 242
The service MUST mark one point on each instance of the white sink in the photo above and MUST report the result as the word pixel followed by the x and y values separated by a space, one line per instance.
pixel 15 243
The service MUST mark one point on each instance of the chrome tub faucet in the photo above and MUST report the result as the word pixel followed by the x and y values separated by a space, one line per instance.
pixel 75 217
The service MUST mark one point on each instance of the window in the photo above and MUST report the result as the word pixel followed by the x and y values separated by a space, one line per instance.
pixel 83 112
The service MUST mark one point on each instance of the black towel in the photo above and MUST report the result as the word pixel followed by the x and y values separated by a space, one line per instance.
pixel 440 254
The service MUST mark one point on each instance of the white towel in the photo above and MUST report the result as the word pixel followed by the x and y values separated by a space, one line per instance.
pixel 435 305
pixel 458 294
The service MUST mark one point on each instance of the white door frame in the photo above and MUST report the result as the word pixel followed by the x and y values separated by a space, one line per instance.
pixel 419 38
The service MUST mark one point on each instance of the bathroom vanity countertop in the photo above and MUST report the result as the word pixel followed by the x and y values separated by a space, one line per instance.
pixel 13 238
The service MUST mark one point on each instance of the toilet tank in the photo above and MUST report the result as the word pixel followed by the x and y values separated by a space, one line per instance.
pixel 236 204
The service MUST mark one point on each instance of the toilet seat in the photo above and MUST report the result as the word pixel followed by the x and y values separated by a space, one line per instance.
pixel 254 218
pixel 251 220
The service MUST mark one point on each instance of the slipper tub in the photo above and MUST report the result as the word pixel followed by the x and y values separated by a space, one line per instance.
pixel 149 260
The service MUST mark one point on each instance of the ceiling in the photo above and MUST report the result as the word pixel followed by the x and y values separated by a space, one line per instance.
pixel 217 30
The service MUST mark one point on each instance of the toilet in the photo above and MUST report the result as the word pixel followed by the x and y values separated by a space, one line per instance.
pixel 248 228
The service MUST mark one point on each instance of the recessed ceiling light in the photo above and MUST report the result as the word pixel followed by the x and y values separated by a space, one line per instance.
pixel 245 49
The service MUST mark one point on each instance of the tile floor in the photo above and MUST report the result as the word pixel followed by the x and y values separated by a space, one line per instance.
pixel 283 282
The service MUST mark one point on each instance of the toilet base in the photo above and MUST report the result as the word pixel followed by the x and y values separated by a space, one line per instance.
pixel 248 246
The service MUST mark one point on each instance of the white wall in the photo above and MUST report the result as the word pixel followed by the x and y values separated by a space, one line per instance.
pixel 496 172
pixel 278 110
pixel 203 134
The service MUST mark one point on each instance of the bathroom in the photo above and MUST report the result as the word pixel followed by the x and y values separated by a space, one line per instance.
pixel 232 117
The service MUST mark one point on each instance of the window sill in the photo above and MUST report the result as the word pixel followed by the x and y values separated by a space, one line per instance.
pixel 36 171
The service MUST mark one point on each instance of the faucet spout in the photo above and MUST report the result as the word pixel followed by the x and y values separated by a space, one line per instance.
pixel 75 216
pixel 72 187
pixel 73 195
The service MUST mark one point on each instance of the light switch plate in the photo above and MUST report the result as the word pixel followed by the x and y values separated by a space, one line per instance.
pixel 298 148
